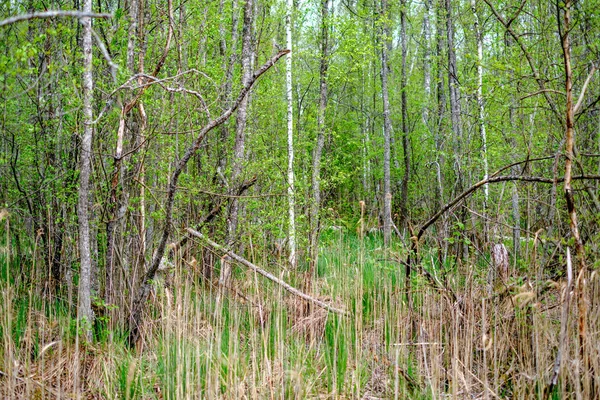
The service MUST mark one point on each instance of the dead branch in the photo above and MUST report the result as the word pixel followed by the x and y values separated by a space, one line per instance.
pixel 144 290
pixel 266 274
pixel 52 14
pixel 214 212
pixel 494 179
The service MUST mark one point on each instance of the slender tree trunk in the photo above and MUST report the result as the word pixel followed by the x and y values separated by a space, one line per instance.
pixel 387 126
pixel 481 116
pixel 440 130
pixel 453 84
pixel 426 62
pixel 84 310
pixel 453 88
pixel 569 196
pixel 228 66
pixel 404 104
pixel 316 162
pixel 290 137
pixel 240 137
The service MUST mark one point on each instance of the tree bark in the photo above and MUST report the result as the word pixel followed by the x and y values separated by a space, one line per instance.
pixel 84 310
pixel 481 116
pixel 290 137
pixel 318 150
pixel 404 105
pixel 240 137
pixel 569 196
pixel 387 125
pixel 426 62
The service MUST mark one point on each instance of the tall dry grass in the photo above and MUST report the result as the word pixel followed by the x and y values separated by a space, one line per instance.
pixel 464 338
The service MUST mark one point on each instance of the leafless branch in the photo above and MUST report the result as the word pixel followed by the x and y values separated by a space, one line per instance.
pixel 582 94
pixel 266 274
pixel 52 14
pixel 144 290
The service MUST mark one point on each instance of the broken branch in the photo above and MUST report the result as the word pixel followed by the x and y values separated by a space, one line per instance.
pixel 266 274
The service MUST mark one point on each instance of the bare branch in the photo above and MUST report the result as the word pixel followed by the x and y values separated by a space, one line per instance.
pixel 144 290
pixel 542 92
pixel 495 179
pixel 582 94
pixel 266 274
pixel 52 14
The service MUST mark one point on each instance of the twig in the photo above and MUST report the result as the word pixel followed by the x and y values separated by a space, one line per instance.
pixel 266 274
pixel 52 14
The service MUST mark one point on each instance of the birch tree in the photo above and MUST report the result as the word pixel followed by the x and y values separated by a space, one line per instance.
pixel 290 137
pixel 84 309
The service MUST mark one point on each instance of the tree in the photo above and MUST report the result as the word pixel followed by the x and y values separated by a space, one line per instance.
pixel 318 150
pixel 290 137
pixel 387 122
pixel 84 309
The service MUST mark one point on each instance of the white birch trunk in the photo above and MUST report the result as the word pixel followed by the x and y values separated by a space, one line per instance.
pixel 290 136
pixel 84 309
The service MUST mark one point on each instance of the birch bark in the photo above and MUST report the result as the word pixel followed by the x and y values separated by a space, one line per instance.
pixel 84 309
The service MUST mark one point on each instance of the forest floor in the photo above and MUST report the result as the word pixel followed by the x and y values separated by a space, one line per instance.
pixel 455 336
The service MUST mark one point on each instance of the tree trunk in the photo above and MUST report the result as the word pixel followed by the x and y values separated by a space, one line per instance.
pixel 316 162
pixel 84 310
pixel 290 137
pixel 569 196
pixel 426 63
pixel 481 116
pixel 404 104
pixel 228 67
pixel 387 126
pixel 240 138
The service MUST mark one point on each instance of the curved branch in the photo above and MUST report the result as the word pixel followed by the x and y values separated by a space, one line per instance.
pixel 52 14
pixel 144 291
pixel 494 179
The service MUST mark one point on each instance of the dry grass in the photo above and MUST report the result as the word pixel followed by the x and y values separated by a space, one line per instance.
pixel 261 343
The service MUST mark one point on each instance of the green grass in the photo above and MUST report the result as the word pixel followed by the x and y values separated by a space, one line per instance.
pixel 264 345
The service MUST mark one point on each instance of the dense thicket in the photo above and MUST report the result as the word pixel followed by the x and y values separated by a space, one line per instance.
pixel 398 107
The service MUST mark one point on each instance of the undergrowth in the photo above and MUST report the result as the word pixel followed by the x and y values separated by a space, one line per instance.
pixel 454 335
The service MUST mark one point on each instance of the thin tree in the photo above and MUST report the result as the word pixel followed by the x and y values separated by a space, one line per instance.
pixel 84 309
pixel 569 196
pixel 404 111
pixel 290 136
pixel 387 124
pixel 481 115
pixel 240 136
pixel 318 150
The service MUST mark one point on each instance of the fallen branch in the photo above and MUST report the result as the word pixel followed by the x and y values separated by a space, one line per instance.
pixel 52 14
pixel 266 274
pixel 145 286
